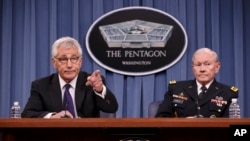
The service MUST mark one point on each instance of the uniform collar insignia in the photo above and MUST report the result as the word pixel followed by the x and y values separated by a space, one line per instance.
pixel 234 89
pixel 172 82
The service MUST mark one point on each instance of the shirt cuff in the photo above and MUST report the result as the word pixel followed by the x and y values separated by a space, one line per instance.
pixel 49 115
pixel 103 94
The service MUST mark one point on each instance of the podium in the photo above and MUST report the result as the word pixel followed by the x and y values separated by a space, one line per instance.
pixel 118 129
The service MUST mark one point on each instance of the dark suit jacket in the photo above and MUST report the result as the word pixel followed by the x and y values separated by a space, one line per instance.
pixel 181 100
pixel 46 97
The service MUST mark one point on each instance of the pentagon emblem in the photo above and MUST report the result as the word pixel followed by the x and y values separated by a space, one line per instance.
pixel 126 34
pixel 132 41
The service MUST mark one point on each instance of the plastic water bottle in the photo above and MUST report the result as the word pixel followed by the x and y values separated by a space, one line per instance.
pixel 234 109
pixel 15 110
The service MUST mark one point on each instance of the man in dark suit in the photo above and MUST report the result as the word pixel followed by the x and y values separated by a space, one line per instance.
pixel 201 97
pixel 86 93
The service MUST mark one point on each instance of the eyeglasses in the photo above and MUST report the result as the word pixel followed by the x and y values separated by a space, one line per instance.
pixel 64 60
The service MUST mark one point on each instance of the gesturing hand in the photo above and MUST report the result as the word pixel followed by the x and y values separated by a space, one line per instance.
pixel 95 80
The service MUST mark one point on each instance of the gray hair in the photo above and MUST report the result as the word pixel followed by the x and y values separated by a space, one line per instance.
pixel 66 42
pixel 208 50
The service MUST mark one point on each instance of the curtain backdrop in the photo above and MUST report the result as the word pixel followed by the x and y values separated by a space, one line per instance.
pixel 29 27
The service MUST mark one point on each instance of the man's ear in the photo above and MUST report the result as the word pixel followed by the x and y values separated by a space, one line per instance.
pixel 53 62
pixel 218 65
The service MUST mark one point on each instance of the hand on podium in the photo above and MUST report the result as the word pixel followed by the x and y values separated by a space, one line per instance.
pixel 62 114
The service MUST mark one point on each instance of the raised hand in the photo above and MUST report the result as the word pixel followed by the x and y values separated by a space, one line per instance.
pixel 95 80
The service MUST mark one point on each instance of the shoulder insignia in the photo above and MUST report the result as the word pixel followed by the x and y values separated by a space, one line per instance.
pixel 234 89
pixel 172 82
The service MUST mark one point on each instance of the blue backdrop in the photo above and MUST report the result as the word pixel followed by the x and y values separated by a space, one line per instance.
pixel 29 27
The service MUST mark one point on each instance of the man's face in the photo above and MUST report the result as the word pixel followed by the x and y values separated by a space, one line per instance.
pixel 67 62
pixel 205 67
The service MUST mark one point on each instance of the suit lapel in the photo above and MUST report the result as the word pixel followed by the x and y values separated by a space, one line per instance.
pixel 80 89
pixel 55 93
pixel 191 90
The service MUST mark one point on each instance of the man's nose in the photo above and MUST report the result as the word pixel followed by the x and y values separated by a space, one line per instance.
pixel 69 63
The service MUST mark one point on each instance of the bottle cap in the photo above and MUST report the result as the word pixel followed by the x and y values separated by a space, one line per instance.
pixel 16 103
pixel 234 100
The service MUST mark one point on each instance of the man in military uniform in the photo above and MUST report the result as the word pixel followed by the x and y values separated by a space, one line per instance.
pixel 201 97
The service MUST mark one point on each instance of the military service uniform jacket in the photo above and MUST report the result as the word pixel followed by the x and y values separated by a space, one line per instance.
pixel 182 100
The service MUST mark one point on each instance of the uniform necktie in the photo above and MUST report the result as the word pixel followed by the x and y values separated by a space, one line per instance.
pixel 203 91
pixel 67 101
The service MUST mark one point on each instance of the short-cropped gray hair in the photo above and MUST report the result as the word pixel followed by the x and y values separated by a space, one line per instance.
pixel 66 42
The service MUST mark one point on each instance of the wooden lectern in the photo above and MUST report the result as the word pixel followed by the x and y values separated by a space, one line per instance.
pixel 118 129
